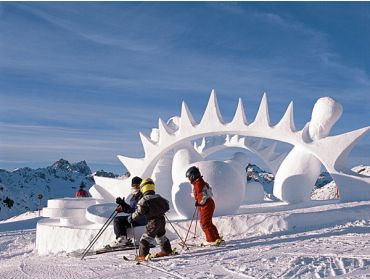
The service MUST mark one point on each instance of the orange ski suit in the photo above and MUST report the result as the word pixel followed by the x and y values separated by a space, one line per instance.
pixel 206 211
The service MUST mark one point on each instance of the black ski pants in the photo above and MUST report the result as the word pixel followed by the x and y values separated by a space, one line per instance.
pixel 120 226
pixel 155 230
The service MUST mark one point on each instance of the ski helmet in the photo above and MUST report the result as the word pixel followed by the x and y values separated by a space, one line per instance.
pixel 147 185
pixel 136 181
pixel 193 173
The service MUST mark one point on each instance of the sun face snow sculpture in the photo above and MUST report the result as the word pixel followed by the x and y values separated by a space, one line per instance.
pixel 312 144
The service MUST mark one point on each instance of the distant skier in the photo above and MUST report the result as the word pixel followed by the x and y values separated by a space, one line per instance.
pixel 153 207
pixel 121 223
pixel 81 192
pixel 205 204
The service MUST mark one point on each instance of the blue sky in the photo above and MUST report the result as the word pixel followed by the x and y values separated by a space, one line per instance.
pixel 79 80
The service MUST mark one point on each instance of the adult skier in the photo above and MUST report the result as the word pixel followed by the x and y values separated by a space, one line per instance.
pixel 121 223
pixel 153 207
pixel 81 192
pixel 205 205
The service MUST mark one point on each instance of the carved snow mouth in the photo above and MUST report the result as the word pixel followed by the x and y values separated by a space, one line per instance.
pixel 331 151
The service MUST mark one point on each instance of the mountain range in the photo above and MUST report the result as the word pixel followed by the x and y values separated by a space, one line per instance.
pixel 19 189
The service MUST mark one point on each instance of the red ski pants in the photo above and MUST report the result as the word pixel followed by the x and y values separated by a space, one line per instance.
pixel 206 213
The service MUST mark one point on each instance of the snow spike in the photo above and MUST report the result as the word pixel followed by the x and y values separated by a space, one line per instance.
pixel 287 121
pixel 164 130
pixel 186 119
pixel 228 138
pixel 234 139
pixel 130 163
pixel 212 113
pixel 240 118
pixel 341 145
pixel 148 145
pixel 200 147
pixel 262 118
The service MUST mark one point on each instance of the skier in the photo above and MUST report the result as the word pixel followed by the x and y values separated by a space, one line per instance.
pixel 153 207
pixel 121 223
pixel 81 192
pixel 205 205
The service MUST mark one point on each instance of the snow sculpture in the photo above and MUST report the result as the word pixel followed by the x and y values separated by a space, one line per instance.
pixel 170 149
pixel 300 169
pixel 311 143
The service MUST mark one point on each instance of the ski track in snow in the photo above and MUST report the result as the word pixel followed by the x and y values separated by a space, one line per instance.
pixel 336 252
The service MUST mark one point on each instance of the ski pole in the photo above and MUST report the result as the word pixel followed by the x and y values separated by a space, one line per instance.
pixel 100 232
pixel 108 221
pixel 186 237
pixel 133 236
pixel 97 236
pixel 196 224
pixel 187 248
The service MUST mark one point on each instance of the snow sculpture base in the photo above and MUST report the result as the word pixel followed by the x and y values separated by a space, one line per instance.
pixel 72 223
pixel 54 238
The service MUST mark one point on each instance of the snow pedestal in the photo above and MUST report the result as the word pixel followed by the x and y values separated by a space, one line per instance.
pixel 72 223
pixel 54 238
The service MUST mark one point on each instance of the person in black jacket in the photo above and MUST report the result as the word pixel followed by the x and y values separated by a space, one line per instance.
pixel 121 223
pixel 153 207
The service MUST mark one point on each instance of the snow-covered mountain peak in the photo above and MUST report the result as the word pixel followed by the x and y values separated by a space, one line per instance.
pixel 19 188
pixel 80 167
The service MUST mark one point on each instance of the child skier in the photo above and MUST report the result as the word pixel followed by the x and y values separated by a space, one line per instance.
pixel 205 204
pixel 153 207
pixel 120 223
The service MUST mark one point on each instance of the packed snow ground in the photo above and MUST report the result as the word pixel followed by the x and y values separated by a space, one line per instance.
pixel 259 245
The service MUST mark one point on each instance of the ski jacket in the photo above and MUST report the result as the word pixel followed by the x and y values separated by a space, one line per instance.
pixel 202 191
pixel 133 205
pixel 133 202
pixel 82 193
pixel 152 206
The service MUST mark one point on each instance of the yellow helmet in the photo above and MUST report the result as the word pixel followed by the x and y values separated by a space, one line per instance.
pixel 147 185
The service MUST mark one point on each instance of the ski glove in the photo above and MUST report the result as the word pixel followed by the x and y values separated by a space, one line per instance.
pixel 123 206
pixel 119 209
pixel 197 204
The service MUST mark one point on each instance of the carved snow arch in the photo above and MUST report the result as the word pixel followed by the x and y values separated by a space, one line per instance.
pixel 212 124
pixel 266 153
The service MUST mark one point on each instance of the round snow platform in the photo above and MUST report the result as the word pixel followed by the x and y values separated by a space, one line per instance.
pixel 69 202
pixel 99 213
pixel 54 238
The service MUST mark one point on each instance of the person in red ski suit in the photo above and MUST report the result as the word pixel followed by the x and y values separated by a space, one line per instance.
pixel 205 204
pixel 81 192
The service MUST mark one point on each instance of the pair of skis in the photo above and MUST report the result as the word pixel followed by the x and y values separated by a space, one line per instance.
pixel 103 250
pixel 175 254
pixel 153 257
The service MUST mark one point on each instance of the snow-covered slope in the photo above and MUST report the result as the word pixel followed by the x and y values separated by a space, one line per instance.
pixel 19 188
pixel 255 248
